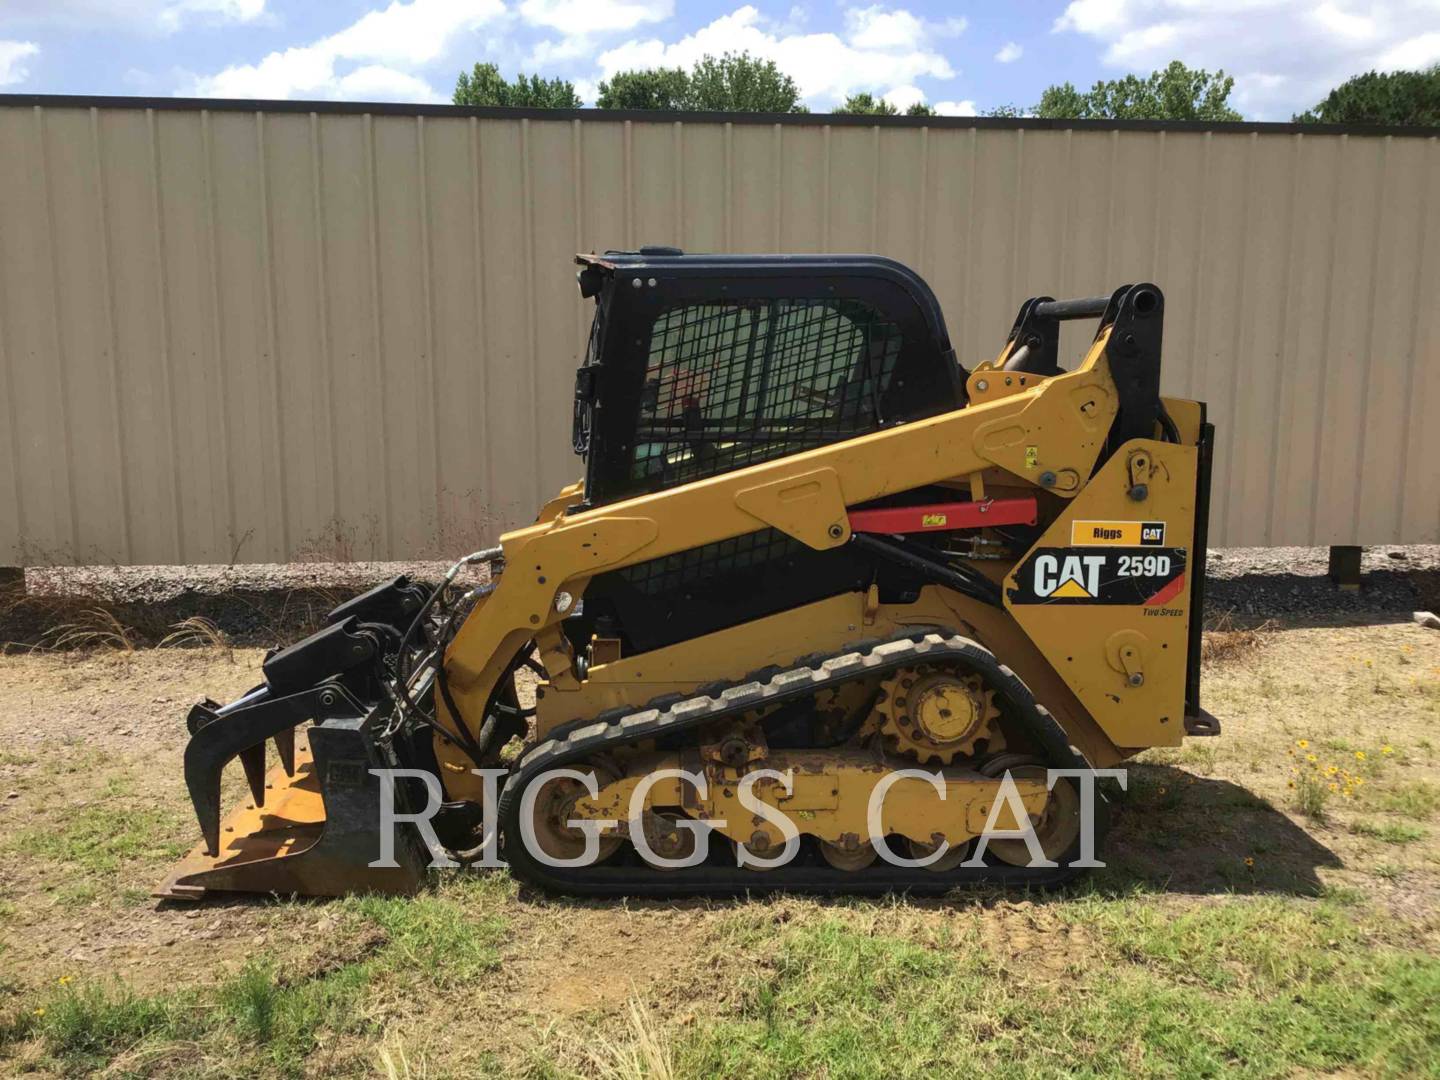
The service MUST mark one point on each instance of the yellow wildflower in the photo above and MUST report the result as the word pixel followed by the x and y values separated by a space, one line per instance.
pixel 1304 744
pixel 1311 758
pixel 1332 770
pixel 1334 787
pixel 1387 749
pixel 1359 755
pixel 1249 861
pixel 40 1011
pixel 1292 783
pixel 63 979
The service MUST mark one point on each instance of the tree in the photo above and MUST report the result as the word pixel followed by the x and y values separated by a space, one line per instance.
pixel 1410 98
pixel 1176 93
pixel 1006 112
pixel 866 105
pixel 486 86
pixel 739 82
pixel 655 88
pixel 735 82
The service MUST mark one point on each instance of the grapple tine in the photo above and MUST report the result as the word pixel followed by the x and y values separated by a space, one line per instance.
pixel 285 747
pixel 241 733
pixel 253 760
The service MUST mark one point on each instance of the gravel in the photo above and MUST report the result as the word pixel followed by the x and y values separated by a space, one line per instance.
pixel 1290 582
pixel 1260 582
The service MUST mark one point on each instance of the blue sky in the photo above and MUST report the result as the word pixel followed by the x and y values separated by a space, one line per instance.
pixel 957 56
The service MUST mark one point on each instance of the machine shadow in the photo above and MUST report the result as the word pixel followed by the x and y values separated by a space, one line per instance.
pixel 1171 832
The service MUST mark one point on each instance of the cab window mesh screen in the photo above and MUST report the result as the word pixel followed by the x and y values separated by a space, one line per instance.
pixel 731 384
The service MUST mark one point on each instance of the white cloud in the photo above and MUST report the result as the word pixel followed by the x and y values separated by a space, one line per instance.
pixel 1285 55
pixel 1009 53
pixel 881 48
pixel 876 28
pixel 1417 53
pixel 403 35
pixel 956 108
pixel 576 17
pixel 165 16
pixel 377 83
pixel 13 61
pixel 175 13
pixel 902 97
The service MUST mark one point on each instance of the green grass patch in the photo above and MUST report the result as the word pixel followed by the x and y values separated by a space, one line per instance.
pixel 1258 988
pixel 1392 832
pixel 270 1019
pixel 288 1021
pixel 252 1024
pixel 100 838
pixel 1418 799
pixel 448 936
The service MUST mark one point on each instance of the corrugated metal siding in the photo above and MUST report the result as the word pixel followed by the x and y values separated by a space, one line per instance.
pixel 247 335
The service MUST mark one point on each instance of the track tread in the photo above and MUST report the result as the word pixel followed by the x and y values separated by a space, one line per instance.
pixel 670 715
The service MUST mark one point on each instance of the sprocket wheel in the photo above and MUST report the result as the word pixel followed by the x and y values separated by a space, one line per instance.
pixel 935 715
pixel 555 806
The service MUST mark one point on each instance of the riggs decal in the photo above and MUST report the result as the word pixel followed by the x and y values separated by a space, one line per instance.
pixel 1113 575
pixel 1117 533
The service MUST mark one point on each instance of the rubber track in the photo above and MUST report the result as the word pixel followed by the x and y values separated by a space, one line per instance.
pixel 666 717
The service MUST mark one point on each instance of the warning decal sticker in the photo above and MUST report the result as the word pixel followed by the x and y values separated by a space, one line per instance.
pixel 1136 576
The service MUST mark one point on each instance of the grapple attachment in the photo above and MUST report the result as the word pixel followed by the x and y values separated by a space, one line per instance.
pixel 311 824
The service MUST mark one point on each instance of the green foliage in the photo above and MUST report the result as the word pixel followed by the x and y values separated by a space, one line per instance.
pixel 739 82
pixel 1007 112
pixel 1410 98
pixel 866 105
pixel 735 82
pixel 1176 93
pixel 653 88
pixel 486 86
pixel 869 105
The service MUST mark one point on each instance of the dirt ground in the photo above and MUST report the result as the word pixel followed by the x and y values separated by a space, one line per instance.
pixel 93 809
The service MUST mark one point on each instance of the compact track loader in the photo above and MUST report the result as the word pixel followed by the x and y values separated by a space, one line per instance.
pixel 810 551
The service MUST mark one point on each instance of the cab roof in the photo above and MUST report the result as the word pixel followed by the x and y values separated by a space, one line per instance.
pixel 672 261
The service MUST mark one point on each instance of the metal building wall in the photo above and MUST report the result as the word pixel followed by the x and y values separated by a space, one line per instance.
pixel 244 334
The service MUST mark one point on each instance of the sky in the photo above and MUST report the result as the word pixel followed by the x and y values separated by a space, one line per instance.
pixel 961 58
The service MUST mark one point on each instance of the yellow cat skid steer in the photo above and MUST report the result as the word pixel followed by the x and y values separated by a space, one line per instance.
pixel 806 540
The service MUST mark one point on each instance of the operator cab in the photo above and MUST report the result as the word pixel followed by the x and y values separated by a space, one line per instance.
pixel 702 364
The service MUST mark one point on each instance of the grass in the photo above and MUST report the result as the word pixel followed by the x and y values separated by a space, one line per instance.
pixel 272 1018
pixel 1392 832
pixel 1230 934
pixel 440 938
pixel 98 839
pixel 198 632
pixel 1417 799
pixel 1227 642
pixel 1233 991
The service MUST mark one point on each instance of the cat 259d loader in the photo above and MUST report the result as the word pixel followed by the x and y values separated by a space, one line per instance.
pixel 807 540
